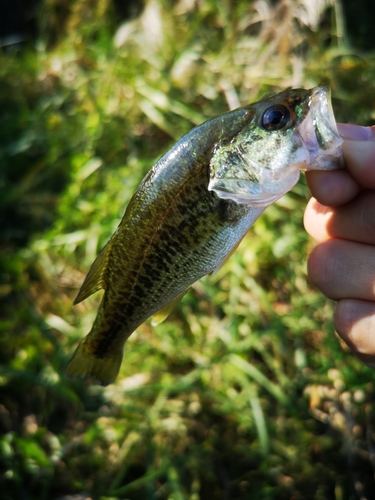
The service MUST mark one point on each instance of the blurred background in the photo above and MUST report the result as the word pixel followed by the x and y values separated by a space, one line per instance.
pixel 245 391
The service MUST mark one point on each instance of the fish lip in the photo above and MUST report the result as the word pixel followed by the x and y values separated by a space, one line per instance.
pixel 254 193
pixel 318 132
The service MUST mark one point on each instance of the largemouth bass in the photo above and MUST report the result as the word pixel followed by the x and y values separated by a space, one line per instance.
pixel 194 207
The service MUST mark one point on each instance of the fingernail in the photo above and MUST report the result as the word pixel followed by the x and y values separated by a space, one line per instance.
pixel 356 132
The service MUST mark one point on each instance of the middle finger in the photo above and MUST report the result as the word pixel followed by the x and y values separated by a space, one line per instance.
pixel 353 221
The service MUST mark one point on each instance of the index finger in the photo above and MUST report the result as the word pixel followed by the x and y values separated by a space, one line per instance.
pixel 359 153
pixel 332 188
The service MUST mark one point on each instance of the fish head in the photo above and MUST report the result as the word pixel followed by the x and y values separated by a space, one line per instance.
pixel 288 132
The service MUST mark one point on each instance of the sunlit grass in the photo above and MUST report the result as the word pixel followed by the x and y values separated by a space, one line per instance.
pixel 245 391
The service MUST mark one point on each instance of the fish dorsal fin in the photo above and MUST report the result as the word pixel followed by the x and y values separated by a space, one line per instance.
pixel 161 315
pixel 220 265
pixel 94 280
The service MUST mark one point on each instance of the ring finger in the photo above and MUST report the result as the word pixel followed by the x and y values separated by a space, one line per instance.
pixel 343 269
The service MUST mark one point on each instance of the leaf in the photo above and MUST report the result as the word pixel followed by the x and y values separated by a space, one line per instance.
pixel 258 376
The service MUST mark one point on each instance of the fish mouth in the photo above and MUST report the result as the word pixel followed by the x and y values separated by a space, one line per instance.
pixel 318 133
pixel 260 180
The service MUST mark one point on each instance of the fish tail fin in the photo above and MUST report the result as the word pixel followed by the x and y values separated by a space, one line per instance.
pixel 84 364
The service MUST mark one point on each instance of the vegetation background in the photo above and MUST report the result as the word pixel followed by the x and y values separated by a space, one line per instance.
pixel 245 391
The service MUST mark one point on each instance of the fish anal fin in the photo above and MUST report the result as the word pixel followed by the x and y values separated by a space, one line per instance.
pixel 95 279
pixel 161 315
pixel 84 364
pixel 220 265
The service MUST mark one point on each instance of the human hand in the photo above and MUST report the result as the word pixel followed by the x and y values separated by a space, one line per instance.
pixel 341 217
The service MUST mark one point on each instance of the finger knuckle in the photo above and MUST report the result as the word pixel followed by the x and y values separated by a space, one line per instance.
pixel 323 267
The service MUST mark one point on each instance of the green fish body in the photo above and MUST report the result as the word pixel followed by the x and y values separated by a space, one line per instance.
pixel 192 210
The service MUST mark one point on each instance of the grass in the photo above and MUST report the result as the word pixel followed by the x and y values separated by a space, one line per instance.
pixel 245 391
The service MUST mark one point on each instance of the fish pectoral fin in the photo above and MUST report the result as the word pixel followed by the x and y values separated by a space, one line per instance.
pixel 161 315
pixel 220 265
pixel 94 280
pixel 84 364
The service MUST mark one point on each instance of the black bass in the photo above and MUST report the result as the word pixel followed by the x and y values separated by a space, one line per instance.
pixel 194 207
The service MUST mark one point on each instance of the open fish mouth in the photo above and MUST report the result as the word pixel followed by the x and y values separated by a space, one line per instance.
pixel 264 162
pixel 318 133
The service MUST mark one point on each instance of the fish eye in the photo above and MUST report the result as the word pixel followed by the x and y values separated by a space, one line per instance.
pixel 276 118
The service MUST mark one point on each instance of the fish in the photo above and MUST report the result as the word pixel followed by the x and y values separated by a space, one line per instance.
pixel 192 209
